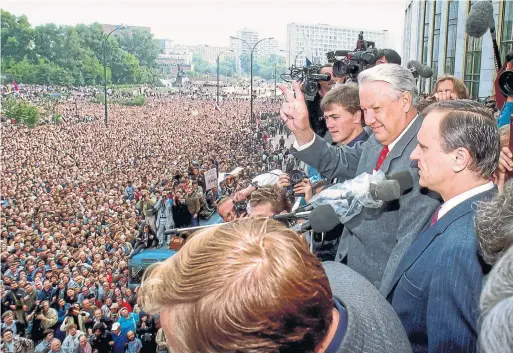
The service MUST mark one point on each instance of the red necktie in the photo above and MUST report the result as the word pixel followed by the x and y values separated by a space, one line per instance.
pixel 435 217
pixel 382 157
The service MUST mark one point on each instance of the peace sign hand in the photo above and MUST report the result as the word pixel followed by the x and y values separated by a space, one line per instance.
pixel 294 113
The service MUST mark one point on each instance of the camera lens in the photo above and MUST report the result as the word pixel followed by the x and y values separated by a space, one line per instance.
pixel 506 83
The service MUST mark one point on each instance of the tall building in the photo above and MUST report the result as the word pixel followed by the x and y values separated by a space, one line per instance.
pixel 321 38
pixel 165 45
pixel 267 48
pixel 434 34
pixel 240 47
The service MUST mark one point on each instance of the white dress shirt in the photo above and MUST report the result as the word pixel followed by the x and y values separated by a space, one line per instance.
pixel 456 200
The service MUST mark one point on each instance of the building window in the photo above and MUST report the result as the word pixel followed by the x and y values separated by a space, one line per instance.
pixel 450 40
pixel 407 33
pixel 436 41
pixel 425 41
pixel 506 29
pixel 473 63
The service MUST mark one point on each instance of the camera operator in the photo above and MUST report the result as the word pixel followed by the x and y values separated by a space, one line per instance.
pixel 43 317
pixel 268 201
pixel 314 107
pixel 387 56
pixel 507 109
pixel 181 214
pixel 229 209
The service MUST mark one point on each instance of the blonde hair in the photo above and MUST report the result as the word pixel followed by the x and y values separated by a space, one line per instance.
pixel 248 286
pixel 459 86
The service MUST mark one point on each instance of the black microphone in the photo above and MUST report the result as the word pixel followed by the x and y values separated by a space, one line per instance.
pixel 417 69
pixel 322 219
pixel 479 20
pixel 391 189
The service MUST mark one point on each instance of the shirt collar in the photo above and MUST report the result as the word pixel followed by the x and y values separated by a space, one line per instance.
pixel 393 143
pixel 456 200
pixel 336 342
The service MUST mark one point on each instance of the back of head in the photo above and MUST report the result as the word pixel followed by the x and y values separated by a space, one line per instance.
pixel 248 286
pixel 390 55
pixel 468 124
pixel 496 306
pixel 274 195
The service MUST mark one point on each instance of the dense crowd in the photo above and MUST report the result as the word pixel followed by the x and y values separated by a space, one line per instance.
pixel 78 199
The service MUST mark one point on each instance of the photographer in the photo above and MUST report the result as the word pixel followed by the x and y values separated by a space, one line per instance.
pixel 75 317
pixel 387 56
pixel 507 109
pixel 165 220
pixel 146 207
pixel 145 240
pixel 101 339
pixel 268 201
pixel 43 317
pixel 226 208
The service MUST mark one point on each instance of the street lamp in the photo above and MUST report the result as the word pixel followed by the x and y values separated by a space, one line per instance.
pixel 105 66
pixel 251 71
pixel 218 56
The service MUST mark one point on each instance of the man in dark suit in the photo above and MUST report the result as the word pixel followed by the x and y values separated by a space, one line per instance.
pixel 436 288
pixel 260 289
pixel 374 241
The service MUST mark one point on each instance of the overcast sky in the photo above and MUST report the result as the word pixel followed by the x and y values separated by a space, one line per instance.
pixel 213 21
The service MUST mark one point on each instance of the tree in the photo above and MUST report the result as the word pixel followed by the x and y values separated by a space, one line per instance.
pixel 245 62
pixel 17 36
pixel 141 44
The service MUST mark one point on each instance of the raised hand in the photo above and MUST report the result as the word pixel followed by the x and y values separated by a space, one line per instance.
pixel 294 113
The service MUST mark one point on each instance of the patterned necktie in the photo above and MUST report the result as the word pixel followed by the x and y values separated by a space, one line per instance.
pixel 382 157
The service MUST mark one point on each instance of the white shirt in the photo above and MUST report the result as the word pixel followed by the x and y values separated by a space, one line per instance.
pixel 456 200
pixel 390 146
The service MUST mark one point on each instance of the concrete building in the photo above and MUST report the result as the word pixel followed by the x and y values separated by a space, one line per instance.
pixel 108 28
pixel 165 45
pixel 324 38
pixel 434 34
pixel 240 47
pixel 267 48
pixel 184 60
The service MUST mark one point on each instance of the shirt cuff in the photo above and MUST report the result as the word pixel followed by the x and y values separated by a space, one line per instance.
pixel 305 146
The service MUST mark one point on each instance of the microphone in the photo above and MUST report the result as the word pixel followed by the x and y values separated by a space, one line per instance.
pixel 480 19
pixel 321 220
pixel 397 184
pixel 417 69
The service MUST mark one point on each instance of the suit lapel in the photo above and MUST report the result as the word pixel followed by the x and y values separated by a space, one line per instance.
pixel 426 237
pixel 401 145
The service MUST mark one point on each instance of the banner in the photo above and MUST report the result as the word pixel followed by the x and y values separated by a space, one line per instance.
pixel 211 179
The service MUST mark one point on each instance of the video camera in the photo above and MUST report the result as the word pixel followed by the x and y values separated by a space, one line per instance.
pixel 310 76
pixel 354 62
pixel 506 79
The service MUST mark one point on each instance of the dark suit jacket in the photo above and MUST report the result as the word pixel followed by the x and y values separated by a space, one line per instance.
pixel 437 284
pixel 375 240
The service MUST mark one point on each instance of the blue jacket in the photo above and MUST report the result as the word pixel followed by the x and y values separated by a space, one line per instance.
pixel 128 324
pixel 437 284
pixel 119 343
pixel 505 115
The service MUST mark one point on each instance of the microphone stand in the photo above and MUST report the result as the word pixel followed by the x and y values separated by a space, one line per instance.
pixel 496 54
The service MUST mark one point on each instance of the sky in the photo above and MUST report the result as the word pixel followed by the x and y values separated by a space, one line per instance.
pixel 212 22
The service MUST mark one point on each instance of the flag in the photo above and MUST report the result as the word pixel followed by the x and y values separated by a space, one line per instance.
pixel 218 109
pixel 14 86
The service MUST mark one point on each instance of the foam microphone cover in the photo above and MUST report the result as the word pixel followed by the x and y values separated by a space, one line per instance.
pixel 480 19
pixel 323 219
pixel 425 71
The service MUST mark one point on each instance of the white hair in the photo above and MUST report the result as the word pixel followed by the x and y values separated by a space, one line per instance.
pixel 496 306
pixel 400 78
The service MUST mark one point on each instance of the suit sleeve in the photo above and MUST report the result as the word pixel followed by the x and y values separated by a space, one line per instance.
pixel 332 161
pixel 452 311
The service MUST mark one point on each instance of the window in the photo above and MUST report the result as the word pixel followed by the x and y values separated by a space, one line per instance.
pixel 473 63
pixel 407 33
pixel 425 48
pixel 506 36
pixel 450 40
pixel 436 41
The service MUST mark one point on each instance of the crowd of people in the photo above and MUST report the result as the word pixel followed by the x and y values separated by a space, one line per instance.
pixel 79 199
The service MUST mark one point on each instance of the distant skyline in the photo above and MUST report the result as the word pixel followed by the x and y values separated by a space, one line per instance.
pixel 212 22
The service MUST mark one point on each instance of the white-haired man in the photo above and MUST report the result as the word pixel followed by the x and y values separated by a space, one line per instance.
pixel 373 242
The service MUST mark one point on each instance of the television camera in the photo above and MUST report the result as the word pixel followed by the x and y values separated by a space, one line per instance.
pixel 310 76
pixel 353 62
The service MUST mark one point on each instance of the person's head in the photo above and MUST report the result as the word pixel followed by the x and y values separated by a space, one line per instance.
pixel 72 329
pixel 494 225
pixel 98 314
pixel 387 56
pixel 251 281
pixel 7 317
pixel 82 340
pixel 327 85
pixel 130 335
pixel 342 113
pixel 458 147
pixel 226 209
pixel 268 201
pixel 124 312
pixel 7 335
pixel 55 346
pixel 116 328
pixel 496 305
pixel 388 97
pixel 451 84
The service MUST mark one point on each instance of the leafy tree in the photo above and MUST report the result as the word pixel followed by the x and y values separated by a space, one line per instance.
pixel 245 62
pixel 141 44
pixel 17 36
pixel 21 111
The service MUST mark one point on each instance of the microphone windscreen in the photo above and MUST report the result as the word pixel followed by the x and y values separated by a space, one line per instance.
pixel 323 219
pixel 480 19
pixel 404 179
pixel 425 71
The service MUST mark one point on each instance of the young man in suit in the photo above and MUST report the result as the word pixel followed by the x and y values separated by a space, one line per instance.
pixel 436 288
pixel 253 285
pixel 374 241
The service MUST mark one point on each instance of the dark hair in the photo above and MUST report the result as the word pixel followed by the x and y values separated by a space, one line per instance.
pixel 470 125
pixel 391 55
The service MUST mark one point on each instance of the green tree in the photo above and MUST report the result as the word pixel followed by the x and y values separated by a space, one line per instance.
pixel 141 44
pixel 245 62
pixel 17 36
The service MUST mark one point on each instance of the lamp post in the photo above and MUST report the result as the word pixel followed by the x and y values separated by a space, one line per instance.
pixel 251 72
pixel 218 56
pixel 105 66
pixel 275 81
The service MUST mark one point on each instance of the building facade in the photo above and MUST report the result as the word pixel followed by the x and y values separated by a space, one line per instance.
pixel 321 38
pixel 434 34
pixel 240 47
pixel 267 48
